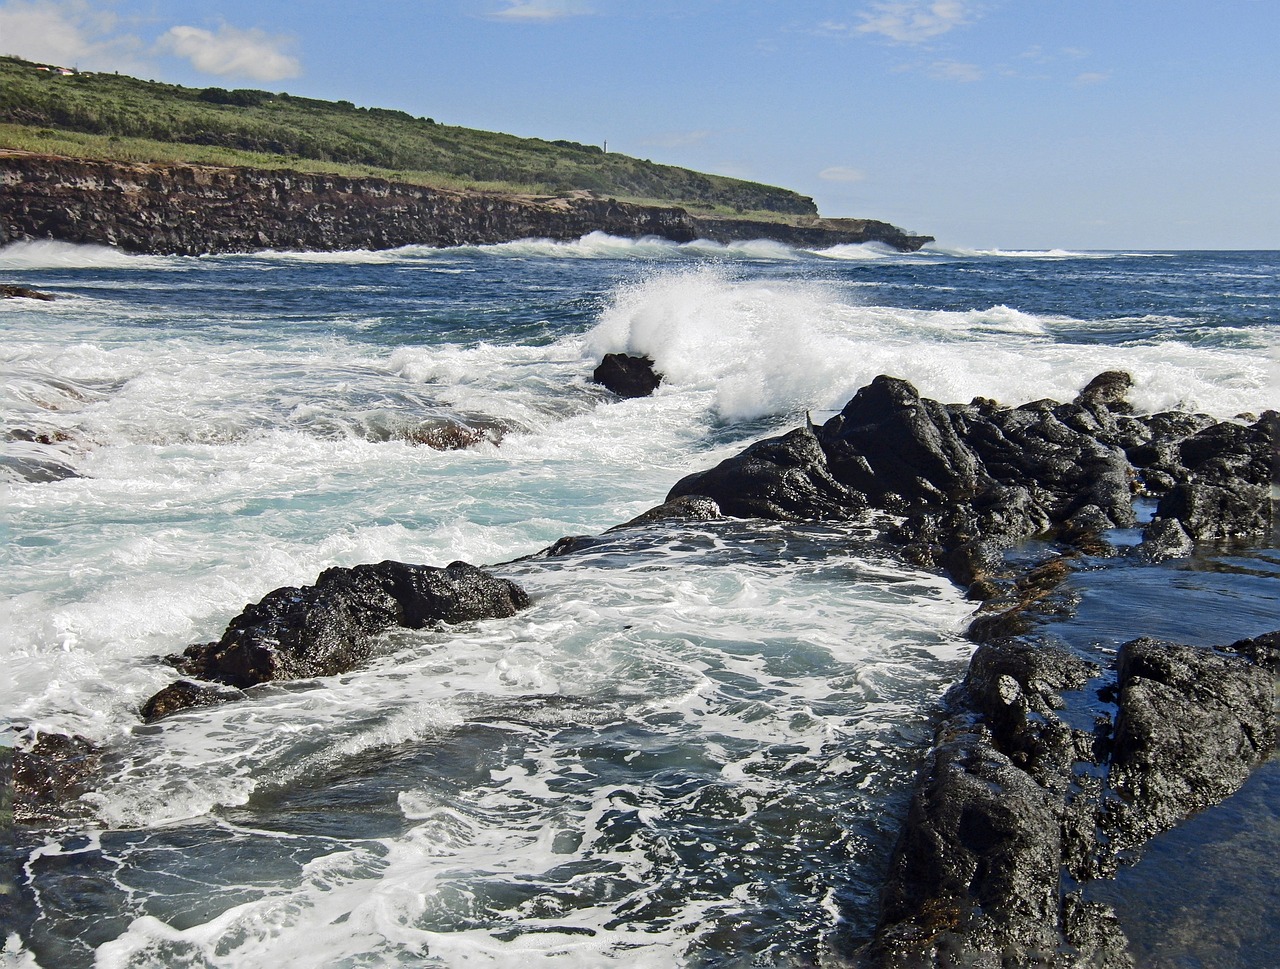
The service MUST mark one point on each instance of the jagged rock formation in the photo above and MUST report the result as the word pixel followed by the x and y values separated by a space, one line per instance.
pixel 1012 802
pixel 328 628
pixel 1012 805
pixel 970 479
pixel 627 375
pixel 188 210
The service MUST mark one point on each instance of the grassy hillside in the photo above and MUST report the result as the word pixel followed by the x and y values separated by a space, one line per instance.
pixel 113 116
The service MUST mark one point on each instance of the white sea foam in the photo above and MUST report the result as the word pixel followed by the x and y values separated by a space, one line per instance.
pixel 1015 253
pixel 767 348
pixel 48 254
pixel 568 841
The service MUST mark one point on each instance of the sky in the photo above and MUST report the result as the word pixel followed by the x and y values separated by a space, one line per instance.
pixel 1012 124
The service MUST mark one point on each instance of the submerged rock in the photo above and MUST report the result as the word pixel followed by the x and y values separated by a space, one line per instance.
pixel 186 695
pixel 627 375
pixel 328 628
pixel 22 292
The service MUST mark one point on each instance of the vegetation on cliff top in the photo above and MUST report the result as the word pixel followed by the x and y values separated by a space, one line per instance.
pixel 123 118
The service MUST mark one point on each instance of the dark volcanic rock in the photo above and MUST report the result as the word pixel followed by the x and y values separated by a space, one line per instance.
pixel 976 871
pixel 1012 799
pixel 780 477
pixel 691 508
pixel 194 209
pixel 1109 389
pixel 971 479
pixel 185 695
pixel 21 292
pixel 895 446
pixel 1016 686
pixel 328 628
pixel 50 771
pixel 1193 723
pixel 627 375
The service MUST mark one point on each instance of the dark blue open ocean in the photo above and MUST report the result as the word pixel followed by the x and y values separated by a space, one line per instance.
pixel 695 747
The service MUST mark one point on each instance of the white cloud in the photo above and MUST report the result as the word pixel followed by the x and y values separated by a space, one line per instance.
pixel 955 71
pixel 232 52
pixel 915 21
pixel 1092 77
pixel 69 33
pixel 540 11
pixel 842 173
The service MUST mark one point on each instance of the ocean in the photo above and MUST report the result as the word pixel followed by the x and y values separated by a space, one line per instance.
pixel 695 748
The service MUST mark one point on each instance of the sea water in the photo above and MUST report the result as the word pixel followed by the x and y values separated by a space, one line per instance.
pixel 694 748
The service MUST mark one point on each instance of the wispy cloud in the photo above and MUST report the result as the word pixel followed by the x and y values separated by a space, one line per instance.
pixel 915 21
pixel 232 52
pixel 1089 78
pixel 70 33
pixel 540 11
pixel 842 173
pixel 954 71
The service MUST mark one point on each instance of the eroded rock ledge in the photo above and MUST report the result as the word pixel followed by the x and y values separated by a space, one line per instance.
pixel 190 210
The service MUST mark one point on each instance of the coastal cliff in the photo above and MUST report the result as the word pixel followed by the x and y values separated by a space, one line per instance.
pixel 190 210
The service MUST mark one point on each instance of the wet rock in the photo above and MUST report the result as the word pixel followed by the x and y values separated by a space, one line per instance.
pixel 1223 475
pixel 22 292
pixel 781 478
pixel 1193 723
pixel 328 628
pixel 1263 650
pixel 974 560
pixel 1016 686
pixel 889 441
pixel 1165 538
pixel 50 772
pixel 976 871
pixel 561 547
pixel 185 695
pixel 627 375
pixel 1011 797
pixel 447 435
pixel 1109 389
pixel 688 508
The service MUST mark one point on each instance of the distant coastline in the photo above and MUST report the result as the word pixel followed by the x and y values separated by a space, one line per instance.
pixel 196 209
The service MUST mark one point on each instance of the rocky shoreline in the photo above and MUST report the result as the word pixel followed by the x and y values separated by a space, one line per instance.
pixel 1016 806
pixel 193 210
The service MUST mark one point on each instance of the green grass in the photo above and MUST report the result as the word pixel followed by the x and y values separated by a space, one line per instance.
pixel 114 117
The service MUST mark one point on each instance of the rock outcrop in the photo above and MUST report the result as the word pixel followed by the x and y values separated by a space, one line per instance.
pixel 329 627
pixel 1013 806
pixel 22 292
pixel 969 479
pixel 627 375
pixel 190 209
pixel 1013 802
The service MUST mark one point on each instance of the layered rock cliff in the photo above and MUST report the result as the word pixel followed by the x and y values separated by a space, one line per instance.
pixel 189 210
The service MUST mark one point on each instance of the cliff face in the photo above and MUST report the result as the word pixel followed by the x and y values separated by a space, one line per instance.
pixel 188 210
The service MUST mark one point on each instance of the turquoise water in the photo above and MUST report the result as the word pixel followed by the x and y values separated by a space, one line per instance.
pixel 691 750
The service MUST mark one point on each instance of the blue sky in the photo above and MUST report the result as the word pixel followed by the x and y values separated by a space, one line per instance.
pixel 1100 124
